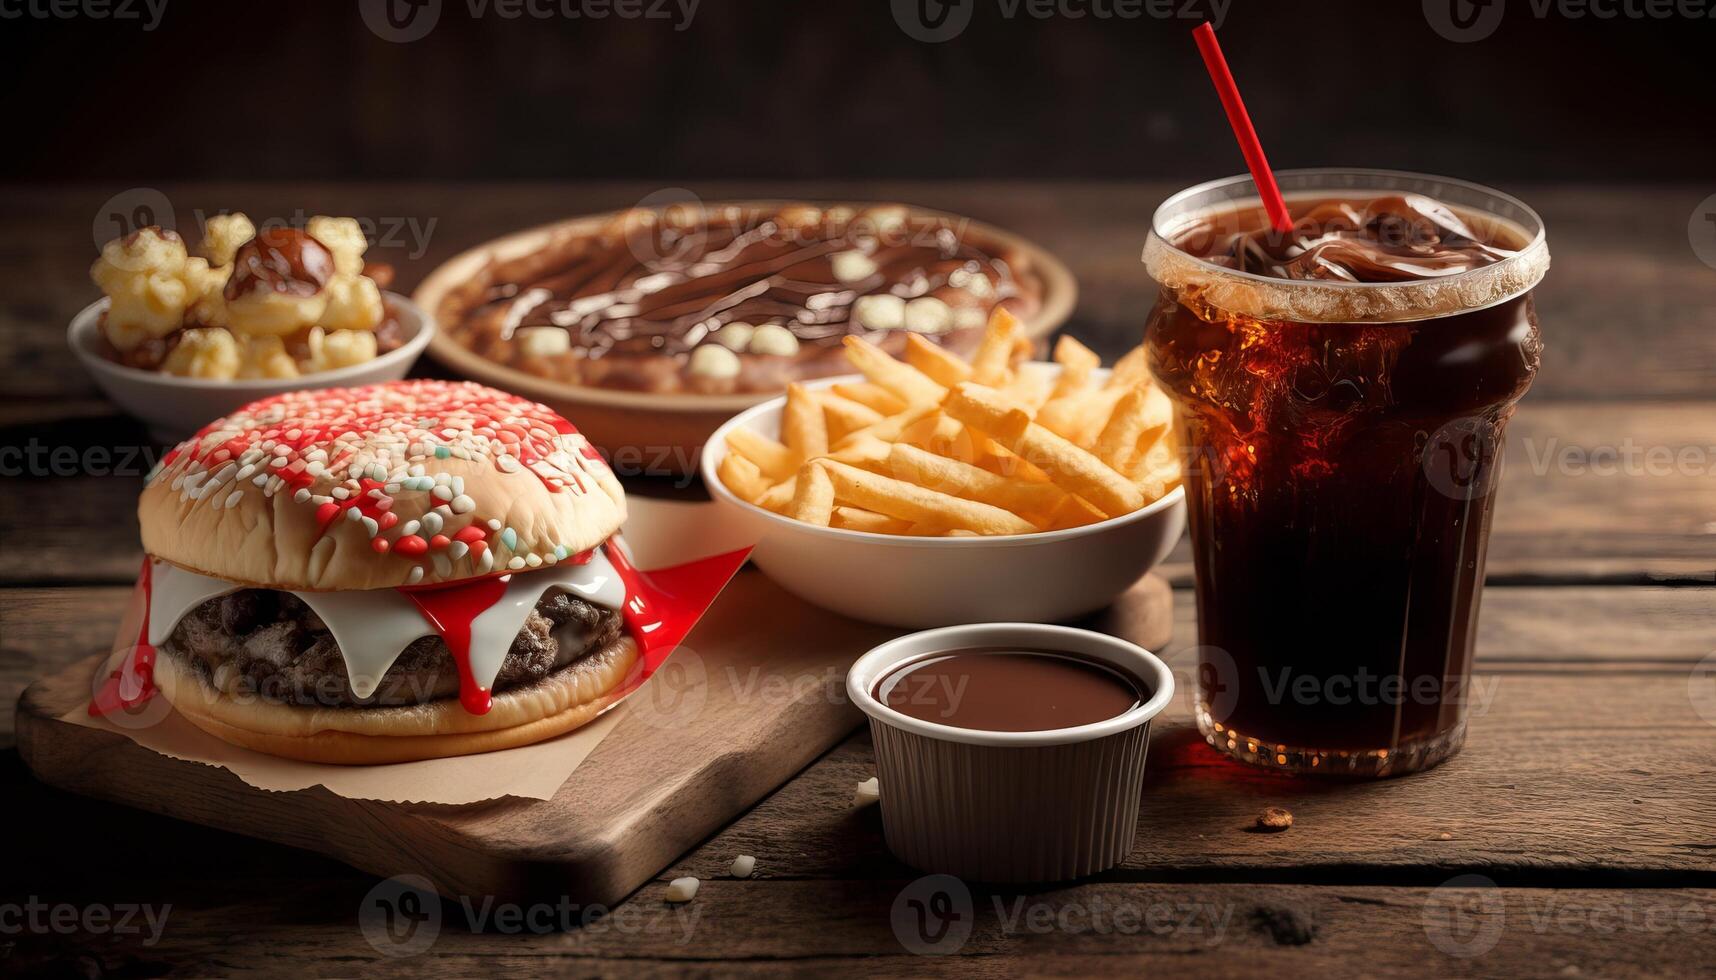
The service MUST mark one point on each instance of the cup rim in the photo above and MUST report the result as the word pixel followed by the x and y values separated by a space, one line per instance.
pixel 1146 666
pixel 80 331
pixel 1538 234
pixel 715 449
pixel 1340 301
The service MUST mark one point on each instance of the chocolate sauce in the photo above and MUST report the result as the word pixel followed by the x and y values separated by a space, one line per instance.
pixel 285 260
pixel 636 297
pixel 1006 690
pixel 1398 238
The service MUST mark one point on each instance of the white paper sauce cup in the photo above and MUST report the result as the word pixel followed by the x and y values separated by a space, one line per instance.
pixel 1011 806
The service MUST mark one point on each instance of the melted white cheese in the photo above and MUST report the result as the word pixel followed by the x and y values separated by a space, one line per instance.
pixel 373 626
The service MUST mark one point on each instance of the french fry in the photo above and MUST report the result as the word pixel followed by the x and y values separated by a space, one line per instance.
pixel 1029 388
pixel 941 435
pixel 897 498
pixel 873 396
pixel 1156 470
pixel 942 365
pixel 988 411
pixel 813 497
pixel 960 479
pixel 1130 369
pixel 742 477
pixel 776 461
pixel 1080 416
pixel 989 366
pixel 1077 471
pixel 898 377
pixel 845 415
pixel 1160 410
pixel 778 497
pixel 1077 362
pixel 803 428
pixel 859 519
pixel 1126 429
pixel 1071 468
pixel 931 445
pixel 1072 511
pixel 889 429
pixel 865 451
pixel 1001 461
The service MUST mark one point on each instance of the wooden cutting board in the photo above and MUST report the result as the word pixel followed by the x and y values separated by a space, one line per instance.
pixel 762 697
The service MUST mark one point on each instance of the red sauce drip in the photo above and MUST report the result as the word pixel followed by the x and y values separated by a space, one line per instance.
pixel 450 610
pixel 663 605
pixel 133 682
pixel 660 608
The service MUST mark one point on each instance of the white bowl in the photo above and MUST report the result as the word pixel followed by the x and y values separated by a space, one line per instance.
pixel 174 407
pixel 1044 577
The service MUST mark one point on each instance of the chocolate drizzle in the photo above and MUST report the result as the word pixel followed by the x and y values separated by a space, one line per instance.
pixel 655 285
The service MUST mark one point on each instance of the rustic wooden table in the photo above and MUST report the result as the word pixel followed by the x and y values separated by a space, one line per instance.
pixel 1575 835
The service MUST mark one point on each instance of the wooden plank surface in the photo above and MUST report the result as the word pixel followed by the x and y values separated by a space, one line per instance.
pixel 1588 775
pixel 744 704
pixel 1621 259
pixel 1101 927
pixel 1637 805
pixel 1609 493
pixel 1585 791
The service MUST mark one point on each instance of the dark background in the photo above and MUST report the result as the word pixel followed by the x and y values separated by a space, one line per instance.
pixel 836 88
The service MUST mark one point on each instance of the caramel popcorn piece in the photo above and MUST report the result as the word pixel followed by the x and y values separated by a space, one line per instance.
pixel 143 277
pixel 330 349
pixel 223 234
pixel 344 238
pixel 206 285
pixel 204 352
pixel 265 357
pixel 264 313
pixel 354 303
pixel 150 251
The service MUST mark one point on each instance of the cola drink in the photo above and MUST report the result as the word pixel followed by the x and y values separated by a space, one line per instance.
pixel 1341 392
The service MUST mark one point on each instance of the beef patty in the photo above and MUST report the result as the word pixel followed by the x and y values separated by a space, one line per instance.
pixel 259 642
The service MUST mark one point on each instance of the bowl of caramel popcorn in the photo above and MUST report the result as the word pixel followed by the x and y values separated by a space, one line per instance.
pixel 181 337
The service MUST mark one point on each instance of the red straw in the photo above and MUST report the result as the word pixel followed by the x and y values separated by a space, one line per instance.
pixel 1242 128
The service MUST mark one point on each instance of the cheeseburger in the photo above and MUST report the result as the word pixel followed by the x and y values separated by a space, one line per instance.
pixel 385 574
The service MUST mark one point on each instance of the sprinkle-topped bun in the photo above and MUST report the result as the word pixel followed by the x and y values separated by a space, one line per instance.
pixel 407 483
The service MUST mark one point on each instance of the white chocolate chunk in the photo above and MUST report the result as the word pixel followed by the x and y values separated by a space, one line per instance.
pixel 975 283
pixel 881 311
pixel 926 314
pixel 868 792
pixel 682 890
pixel 772 338
pixel 888 220
pixel 714 361
pixel 734 336
pixel 544 341
pixel 853 266
pixel 742 867
pixel 969 318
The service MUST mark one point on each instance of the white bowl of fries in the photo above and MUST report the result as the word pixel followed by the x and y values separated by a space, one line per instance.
pixel 917 495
